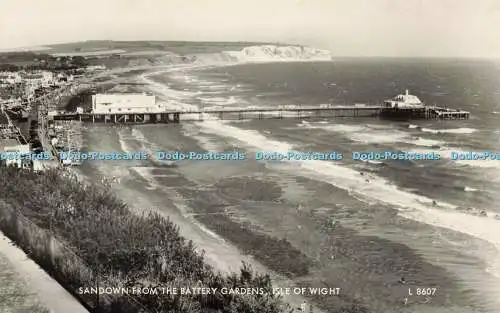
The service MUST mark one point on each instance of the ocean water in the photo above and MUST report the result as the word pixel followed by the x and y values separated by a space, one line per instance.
pixel 387 225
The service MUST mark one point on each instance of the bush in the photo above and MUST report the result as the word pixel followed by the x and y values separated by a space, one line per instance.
pixel 124 249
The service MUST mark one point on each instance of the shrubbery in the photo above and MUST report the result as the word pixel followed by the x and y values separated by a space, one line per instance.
pixel 125 249
pixel 14 61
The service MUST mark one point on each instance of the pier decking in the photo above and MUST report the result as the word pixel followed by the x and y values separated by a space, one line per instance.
pixel 446 113
pixel 301 112
pixel 428 112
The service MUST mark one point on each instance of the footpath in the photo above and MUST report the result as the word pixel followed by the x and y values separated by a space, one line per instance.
pixel 26 287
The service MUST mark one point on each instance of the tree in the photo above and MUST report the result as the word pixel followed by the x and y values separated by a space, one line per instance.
pixel 79 61
pixel 8 68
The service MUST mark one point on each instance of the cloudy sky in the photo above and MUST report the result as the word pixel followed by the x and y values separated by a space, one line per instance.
pixel 346 27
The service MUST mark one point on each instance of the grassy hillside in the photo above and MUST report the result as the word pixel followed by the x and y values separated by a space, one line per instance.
pixel 104 47
pixel 180 47
pixel 112 54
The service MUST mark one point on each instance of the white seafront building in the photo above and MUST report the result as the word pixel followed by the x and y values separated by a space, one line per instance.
pixel 124 103
pixel 405 101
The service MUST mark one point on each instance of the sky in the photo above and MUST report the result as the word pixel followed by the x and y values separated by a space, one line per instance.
pixel 422 28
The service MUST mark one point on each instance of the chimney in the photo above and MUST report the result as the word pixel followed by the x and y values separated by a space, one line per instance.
pixel 406 91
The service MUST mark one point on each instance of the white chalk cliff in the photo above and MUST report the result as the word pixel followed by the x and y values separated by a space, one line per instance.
pixel 270 53
pixel 264 53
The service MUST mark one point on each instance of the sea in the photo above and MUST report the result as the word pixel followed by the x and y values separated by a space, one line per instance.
pixel 359 226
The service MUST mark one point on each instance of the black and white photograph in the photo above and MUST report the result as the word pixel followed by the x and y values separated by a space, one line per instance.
pixel 250 156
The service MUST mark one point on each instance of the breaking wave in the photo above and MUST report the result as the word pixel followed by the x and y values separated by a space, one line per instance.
pixel 375 134
pixel 463 130
pixel 469 189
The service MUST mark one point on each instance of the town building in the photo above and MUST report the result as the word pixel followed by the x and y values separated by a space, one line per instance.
pixel 125 103
pixel 10 78
pixel 7 132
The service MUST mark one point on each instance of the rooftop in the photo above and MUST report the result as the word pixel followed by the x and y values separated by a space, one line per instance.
pixel 117 94
pixel 8 143
pixel 404 101
pixel 407 98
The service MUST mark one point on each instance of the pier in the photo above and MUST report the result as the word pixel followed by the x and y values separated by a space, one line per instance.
pixel 427 112
pixel 301 112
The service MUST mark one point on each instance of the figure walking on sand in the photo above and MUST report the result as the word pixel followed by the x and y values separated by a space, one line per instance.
pixel 299 208
pixel 303 306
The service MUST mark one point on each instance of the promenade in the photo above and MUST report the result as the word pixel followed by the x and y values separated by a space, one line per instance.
pixel 35 290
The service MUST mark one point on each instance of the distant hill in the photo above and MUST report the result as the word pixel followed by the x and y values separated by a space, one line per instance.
pixel 95 47
pixel 115 54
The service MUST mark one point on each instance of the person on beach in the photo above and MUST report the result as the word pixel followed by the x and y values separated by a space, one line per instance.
pixel 303 306
pixel 299 208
